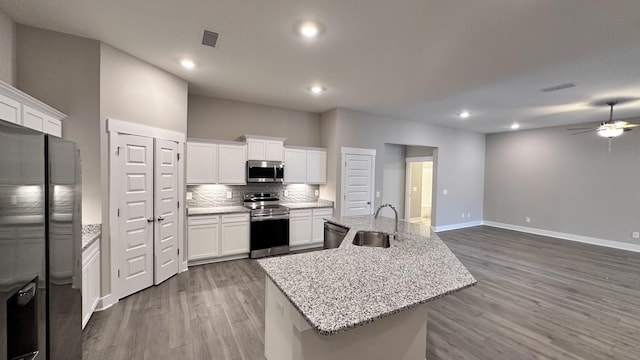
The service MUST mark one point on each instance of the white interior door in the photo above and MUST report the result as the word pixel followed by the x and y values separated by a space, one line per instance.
pixel 358 185
pixel 135 270
pixel 166 210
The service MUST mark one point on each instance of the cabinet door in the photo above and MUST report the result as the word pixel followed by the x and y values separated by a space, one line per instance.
pixel 256 149
pixel 202 167
pixel 295 166
pixel 232 160
pixel 52 126
pixel 318 224
pixel 10 110
pixel 273 150
pixel 32 118
pixel 316 167
pixel 300 227
pixel 203 241
pixel 235 238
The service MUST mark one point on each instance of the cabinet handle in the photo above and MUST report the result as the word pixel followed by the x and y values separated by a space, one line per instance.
pixel 150 220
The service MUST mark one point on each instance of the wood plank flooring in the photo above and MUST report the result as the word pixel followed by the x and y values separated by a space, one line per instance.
pixel 537 298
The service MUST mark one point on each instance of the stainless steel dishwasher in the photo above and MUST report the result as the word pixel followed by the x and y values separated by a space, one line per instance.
pixel 333 235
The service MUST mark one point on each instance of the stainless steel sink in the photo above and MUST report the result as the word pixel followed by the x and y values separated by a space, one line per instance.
pixel 371 238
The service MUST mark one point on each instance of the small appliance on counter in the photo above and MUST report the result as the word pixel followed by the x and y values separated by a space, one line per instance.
pixel 269 225
pixel 265 171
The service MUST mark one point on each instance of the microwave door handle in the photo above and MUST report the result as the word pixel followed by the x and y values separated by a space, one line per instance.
pixel 275 173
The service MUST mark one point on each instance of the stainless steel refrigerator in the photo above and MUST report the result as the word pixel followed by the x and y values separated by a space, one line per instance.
pixel 40 246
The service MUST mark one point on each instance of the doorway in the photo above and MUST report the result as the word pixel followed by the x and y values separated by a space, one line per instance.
pixel 419 190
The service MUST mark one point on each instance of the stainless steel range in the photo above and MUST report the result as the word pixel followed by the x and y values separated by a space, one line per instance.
pixel 269 225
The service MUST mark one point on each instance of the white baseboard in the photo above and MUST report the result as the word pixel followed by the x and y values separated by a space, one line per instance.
pixel 565 236
pixel 456 226
pixel 106 302
pixel 218 259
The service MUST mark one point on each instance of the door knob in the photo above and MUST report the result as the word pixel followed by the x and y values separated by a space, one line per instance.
pixel 160 218
pixel 368 202
pixel 150 220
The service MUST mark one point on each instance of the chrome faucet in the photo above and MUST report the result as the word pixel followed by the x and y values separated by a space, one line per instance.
pixel 395 233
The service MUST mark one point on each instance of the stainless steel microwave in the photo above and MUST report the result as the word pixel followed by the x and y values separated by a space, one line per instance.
pixel 265 171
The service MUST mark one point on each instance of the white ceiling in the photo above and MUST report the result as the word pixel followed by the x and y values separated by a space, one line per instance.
pixel 424 60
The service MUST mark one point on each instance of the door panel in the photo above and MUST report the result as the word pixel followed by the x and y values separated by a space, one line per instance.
pixel 358 185
pixel 166 210
pixel 136 207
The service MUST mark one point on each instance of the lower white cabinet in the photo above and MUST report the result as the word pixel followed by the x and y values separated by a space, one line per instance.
pixel 217 236
pixel 90 280
pixel 306 227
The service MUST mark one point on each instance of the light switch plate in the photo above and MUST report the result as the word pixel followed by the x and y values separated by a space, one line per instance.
pixel 527 219
pixel 229 195
pixel 189 195
pixel 377 194
pixel 317 192
pixel 635 235
pixel 445 192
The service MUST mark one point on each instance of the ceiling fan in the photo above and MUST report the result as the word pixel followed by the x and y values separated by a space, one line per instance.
pixel 608 129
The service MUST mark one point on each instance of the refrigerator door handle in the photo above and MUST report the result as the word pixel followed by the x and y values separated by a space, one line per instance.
pixel 151 220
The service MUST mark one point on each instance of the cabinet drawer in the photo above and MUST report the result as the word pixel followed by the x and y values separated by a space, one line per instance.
pixel 323 212
pixel 300 213
pixel 232 218
pixel 203 220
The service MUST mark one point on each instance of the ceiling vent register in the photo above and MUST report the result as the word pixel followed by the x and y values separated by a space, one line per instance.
pixel 210 38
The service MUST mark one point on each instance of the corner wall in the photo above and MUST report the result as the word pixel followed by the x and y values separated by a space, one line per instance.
pixel 8 42
pixel 565 184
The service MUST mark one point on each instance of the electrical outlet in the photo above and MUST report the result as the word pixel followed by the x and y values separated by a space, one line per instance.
pixel 468 215
pixel 445 192
pixel 635 235
pixel 229 195
pixel 527 219
pixel 463 215
pixel 316 192
pixel 286 193
pixel 189 195
pixel 377 194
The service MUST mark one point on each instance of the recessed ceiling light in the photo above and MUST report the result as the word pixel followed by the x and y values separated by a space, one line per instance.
pixel 515 126
pixel 187 63
pixel 464 114
pixel 309 30
pixel 317 89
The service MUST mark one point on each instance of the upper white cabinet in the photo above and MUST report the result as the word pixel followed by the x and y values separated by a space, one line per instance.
pixel 316 166
pixel 20 108
pixel 305 165
pixel 295 166
pixel 232 161
pixel 202 163
pixel 264 148
pixel 216 163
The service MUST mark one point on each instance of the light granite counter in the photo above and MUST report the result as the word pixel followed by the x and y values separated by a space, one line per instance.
pixel 340 289
pixel 217 210
pixel 309 205
pixel 90 233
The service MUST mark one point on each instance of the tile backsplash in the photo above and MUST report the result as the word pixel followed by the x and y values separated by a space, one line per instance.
pixel 216 195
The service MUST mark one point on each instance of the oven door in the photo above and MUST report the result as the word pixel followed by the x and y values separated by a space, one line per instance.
pixel 269 237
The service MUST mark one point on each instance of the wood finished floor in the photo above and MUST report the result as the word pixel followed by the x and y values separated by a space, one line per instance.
pixel 536 298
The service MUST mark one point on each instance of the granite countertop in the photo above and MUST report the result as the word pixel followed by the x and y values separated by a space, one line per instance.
pixel 309 205
pixel 216 210
pixel 90 233
pixel 339 289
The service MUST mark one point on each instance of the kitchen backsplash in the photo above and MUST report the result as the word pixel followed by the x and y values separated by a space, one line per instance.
pixel 216 195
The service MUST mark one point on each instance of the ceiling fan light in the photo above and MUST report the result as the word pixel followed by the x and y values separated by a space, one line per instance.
pixel 610 132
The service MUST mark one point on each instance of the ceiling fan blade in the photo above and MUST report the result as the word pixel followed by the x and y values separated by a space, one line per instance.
pixel 627 129
pixel 631 125
pixel 584 128
pixel 585 131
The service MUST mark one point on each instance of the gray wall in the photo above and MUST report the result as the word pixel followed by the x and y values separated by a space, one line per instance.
pixel 564 183
pixel 134 91
pixel 64 72
pixel 393 178
pixel 329 139
pixel 459 159
pixel 419 151
pixel 220 119
pixel 8 46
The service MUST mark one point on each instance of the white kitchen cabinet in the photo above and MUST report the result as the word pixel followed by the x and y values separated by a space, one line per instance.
pixel 203 236
pixel 234 234
pixel 52 126
pixel 202 163
pixel 318 224
pixel 232 166
pixel 300 222
pixel 90 280
pixel 295 166
pixel 10 110
pixel 264 148
pixel 316 167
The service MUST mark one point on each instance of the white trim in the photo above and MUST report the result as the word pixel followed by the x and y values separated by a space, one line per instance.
pixel 211 141
pixel 305 147
pixel 565 236
pixel 217 259
pixel 456 226
pixel 418 159
pixel 125 127
pixel 26 99
pixel 246 137
pixel 357 151
pixel 113 212
pixel 106 302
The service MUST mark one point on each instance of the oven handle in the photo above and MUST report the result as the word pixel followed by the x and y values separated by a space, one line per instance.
pixel 267 218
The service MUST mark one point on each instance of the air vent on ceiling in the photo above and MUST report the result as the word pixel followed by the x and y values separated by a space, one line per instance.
pixel 210 38
pixel 558 87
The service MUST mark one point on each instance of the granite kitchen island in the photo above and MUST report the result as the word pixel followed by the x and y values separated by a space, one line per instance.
pixel 359 302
